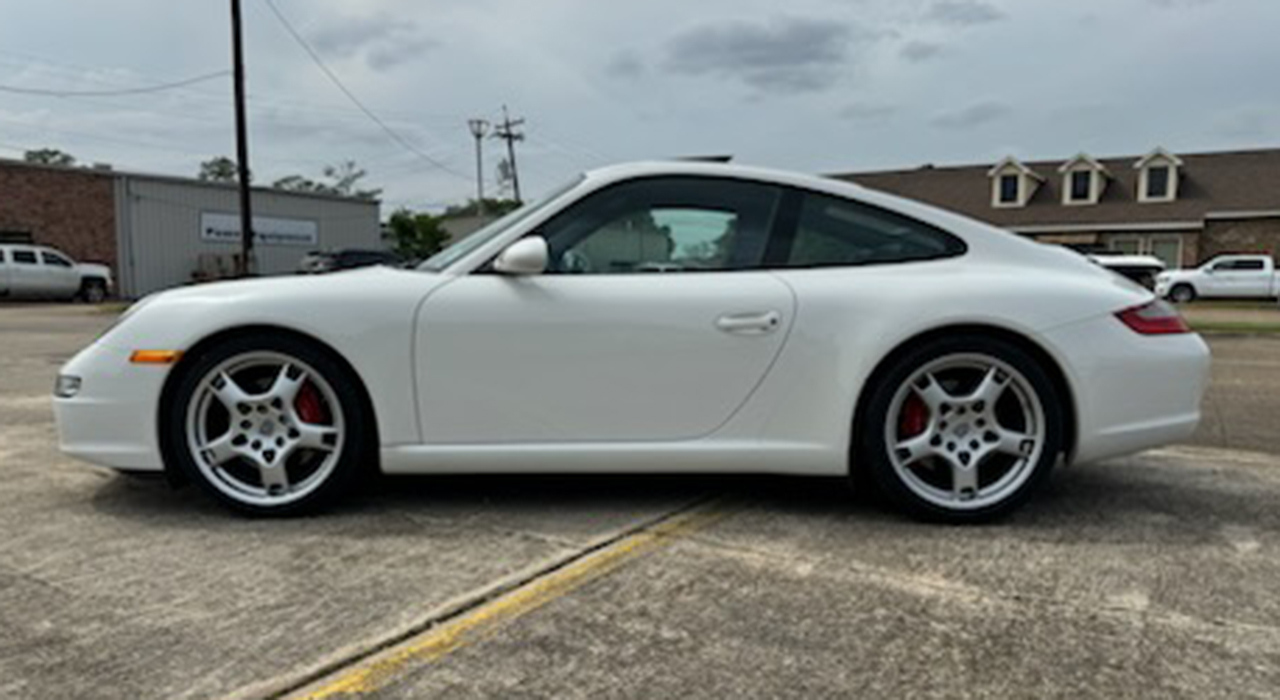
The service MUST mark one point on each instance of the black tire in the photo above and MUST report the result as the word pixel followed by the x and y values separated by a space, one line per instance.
pixel 872 452
pixel 93 291
pixel 357 424
pixel 1182 293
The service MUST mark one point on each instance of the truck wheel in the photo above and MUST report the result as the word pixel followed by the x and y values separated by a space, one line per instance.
pixel 93 291
pixel 1182 293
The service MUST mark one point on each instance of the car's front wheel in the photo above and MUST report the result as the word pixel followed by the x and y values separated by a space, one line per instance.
pixel 961 429
pixel 267 424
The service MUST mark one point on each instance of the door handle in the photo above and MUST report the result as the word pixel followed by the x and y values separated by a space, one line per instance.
pixel 750 323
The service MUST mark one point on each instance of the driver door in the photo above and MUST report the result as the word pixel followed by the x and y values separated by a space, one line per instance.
pixel 652 323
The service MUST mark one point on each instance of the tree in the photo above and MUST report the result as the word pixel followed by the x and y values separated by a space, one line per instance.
pixel 220 169
pixel 298 183
pixel 492 207
pixel 342 177
pixel 416 236
pixel 49 156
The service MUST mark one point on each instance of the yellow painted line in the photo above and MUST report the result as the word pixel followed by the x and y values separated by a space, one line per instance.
pixel 430 645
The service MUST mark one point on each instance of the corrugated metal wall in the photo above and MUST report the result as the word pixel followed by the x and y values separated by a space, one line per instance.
pixel 159 229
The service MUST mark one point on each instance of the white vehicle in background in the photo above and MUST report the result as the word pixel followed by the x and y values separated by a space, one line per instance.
pixel 1224 276
pixel 39 272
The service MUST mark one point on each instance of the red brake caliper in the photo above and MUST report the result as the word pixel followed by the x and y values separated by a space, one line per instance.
pixel 914 417
pixel 309 406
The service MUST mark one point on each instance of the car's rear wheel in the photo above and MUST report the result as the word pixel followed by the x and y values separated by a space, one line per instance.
pixel 962 429
pixel 1182 293
pixel 268 424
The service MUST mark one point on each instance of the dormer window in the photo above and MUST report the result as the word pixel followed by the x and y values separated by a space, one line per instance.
pixel 1158 182
pixel 1159 174
pixel 1081 186
pixel 1083 180
pixel 1012 183
pixel 1009 189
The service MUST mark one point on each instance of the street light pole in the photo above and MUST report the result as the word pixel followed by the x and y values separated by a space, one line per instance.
pixel 242 143
pixel 479 128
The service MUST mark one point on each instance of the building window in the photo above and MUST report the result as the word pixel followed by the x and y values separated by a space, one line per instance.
pixel 1081 185
pixel 1159 174
pixel 1009 189
pixel 1158 182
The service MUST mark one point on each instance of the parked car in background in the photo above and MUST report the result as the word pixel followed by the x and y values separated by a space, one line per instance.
pixel 318 261
pixel 1142 269
pixel 39 272
pixel 1224 276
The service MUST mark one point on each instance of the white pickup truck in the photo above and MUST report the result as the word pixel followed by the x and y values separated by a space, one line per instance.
pixel 38 272
pixel 1235 276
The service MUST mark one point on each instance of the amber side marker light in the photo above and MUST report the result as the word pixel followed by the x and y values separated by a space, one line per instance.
pixel 155 357
pixel 1154 318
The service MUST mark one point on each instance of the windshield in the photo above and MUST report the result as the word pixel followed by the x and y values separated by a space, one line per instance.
pixel 458 250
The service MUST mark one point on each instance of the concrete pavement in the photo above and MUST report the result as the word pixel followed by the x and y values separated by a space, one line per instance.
pixel 1151 575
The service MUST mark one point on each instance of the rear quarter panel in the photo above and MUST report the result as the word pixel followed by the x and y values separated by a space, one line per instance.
pixel 849 319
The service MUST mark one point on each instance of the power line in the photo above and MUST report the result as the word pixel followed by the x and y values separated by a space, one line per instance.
pixel 315 58
pixel 111 93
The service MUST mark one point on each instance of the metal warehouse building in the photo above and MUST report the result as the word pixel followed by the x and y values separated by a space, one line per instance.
pixel 158 231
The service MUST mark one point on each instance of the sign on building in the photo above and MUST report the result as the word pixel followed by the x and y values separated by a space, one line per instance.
pixel 225 228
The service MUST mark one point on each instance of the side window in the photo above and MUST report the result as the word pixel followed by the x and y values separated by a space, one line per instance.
pixel 1250 265
pixel 836 231
pixel 54 259
pixel 669 224
pixel 24 257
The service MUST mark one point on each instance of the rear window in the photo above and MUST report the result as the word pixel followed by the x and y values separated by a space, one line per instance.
pixel 836 231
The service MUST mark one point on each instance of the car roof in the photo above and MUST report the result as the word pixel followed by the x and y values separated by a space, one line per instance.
pixel 624 171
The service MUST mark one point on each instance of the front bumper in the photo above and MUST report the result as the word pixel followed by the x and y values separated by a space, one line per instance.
pixel 112 418
pixel 1132 391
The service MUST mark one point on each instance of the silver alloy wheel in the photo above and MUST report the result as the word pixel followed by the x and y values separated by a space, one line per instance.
pixel 979 439
pixel 246 434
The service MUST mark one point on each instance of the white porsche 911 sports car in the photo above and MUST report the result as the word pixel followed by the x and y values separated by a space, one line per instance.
pixel 664 317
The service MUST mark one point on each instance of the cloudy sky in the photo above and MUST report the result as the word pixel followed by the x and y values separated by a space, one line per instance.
pixel 820 86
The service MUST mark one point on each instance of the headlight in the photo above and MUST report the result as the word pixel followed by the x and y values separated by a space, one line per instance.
pixel 66 386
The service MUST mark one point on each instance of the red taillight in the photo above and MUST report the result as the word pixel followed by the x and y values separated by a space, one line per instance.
pixel 1155 317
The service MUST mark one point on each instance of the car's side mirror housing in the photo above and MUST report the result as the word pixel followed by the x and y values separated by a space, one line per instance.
pixel 527 256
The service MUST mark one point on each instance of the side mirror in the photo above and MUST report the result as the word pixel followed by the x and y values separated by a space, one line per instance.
pixel 527 256
pixel 1208 270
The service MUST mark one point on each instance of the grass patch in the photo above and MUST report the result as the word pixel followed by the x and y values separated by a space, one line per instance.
pixel 1235 304
pixel 1252 327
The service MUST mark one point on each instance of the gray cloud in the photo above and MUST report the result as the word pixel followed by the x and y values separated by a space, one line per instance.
pixel 384 41
pixel 917 51
pixel 626 65
pixel 865 112
pixel 785 56
pixel 971 116
pixel 963 12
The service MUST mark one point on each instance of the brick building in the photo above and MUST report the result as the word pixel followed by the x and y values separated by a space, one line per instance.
pixel 1182 208
pixel 156 231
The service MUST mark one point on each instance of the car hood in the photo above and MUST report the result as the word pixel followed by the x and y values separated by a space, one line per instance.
pixel 93 270
pixel 345 284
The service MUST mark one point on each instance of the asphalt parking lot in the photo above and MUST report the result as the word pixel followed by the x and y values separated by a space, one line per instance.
pixel 1154 575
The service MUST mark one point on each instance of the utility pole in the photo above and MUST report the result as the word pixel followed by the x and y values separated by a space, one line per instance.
pixel 507 132
pixel 479 127
pixel 242 143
